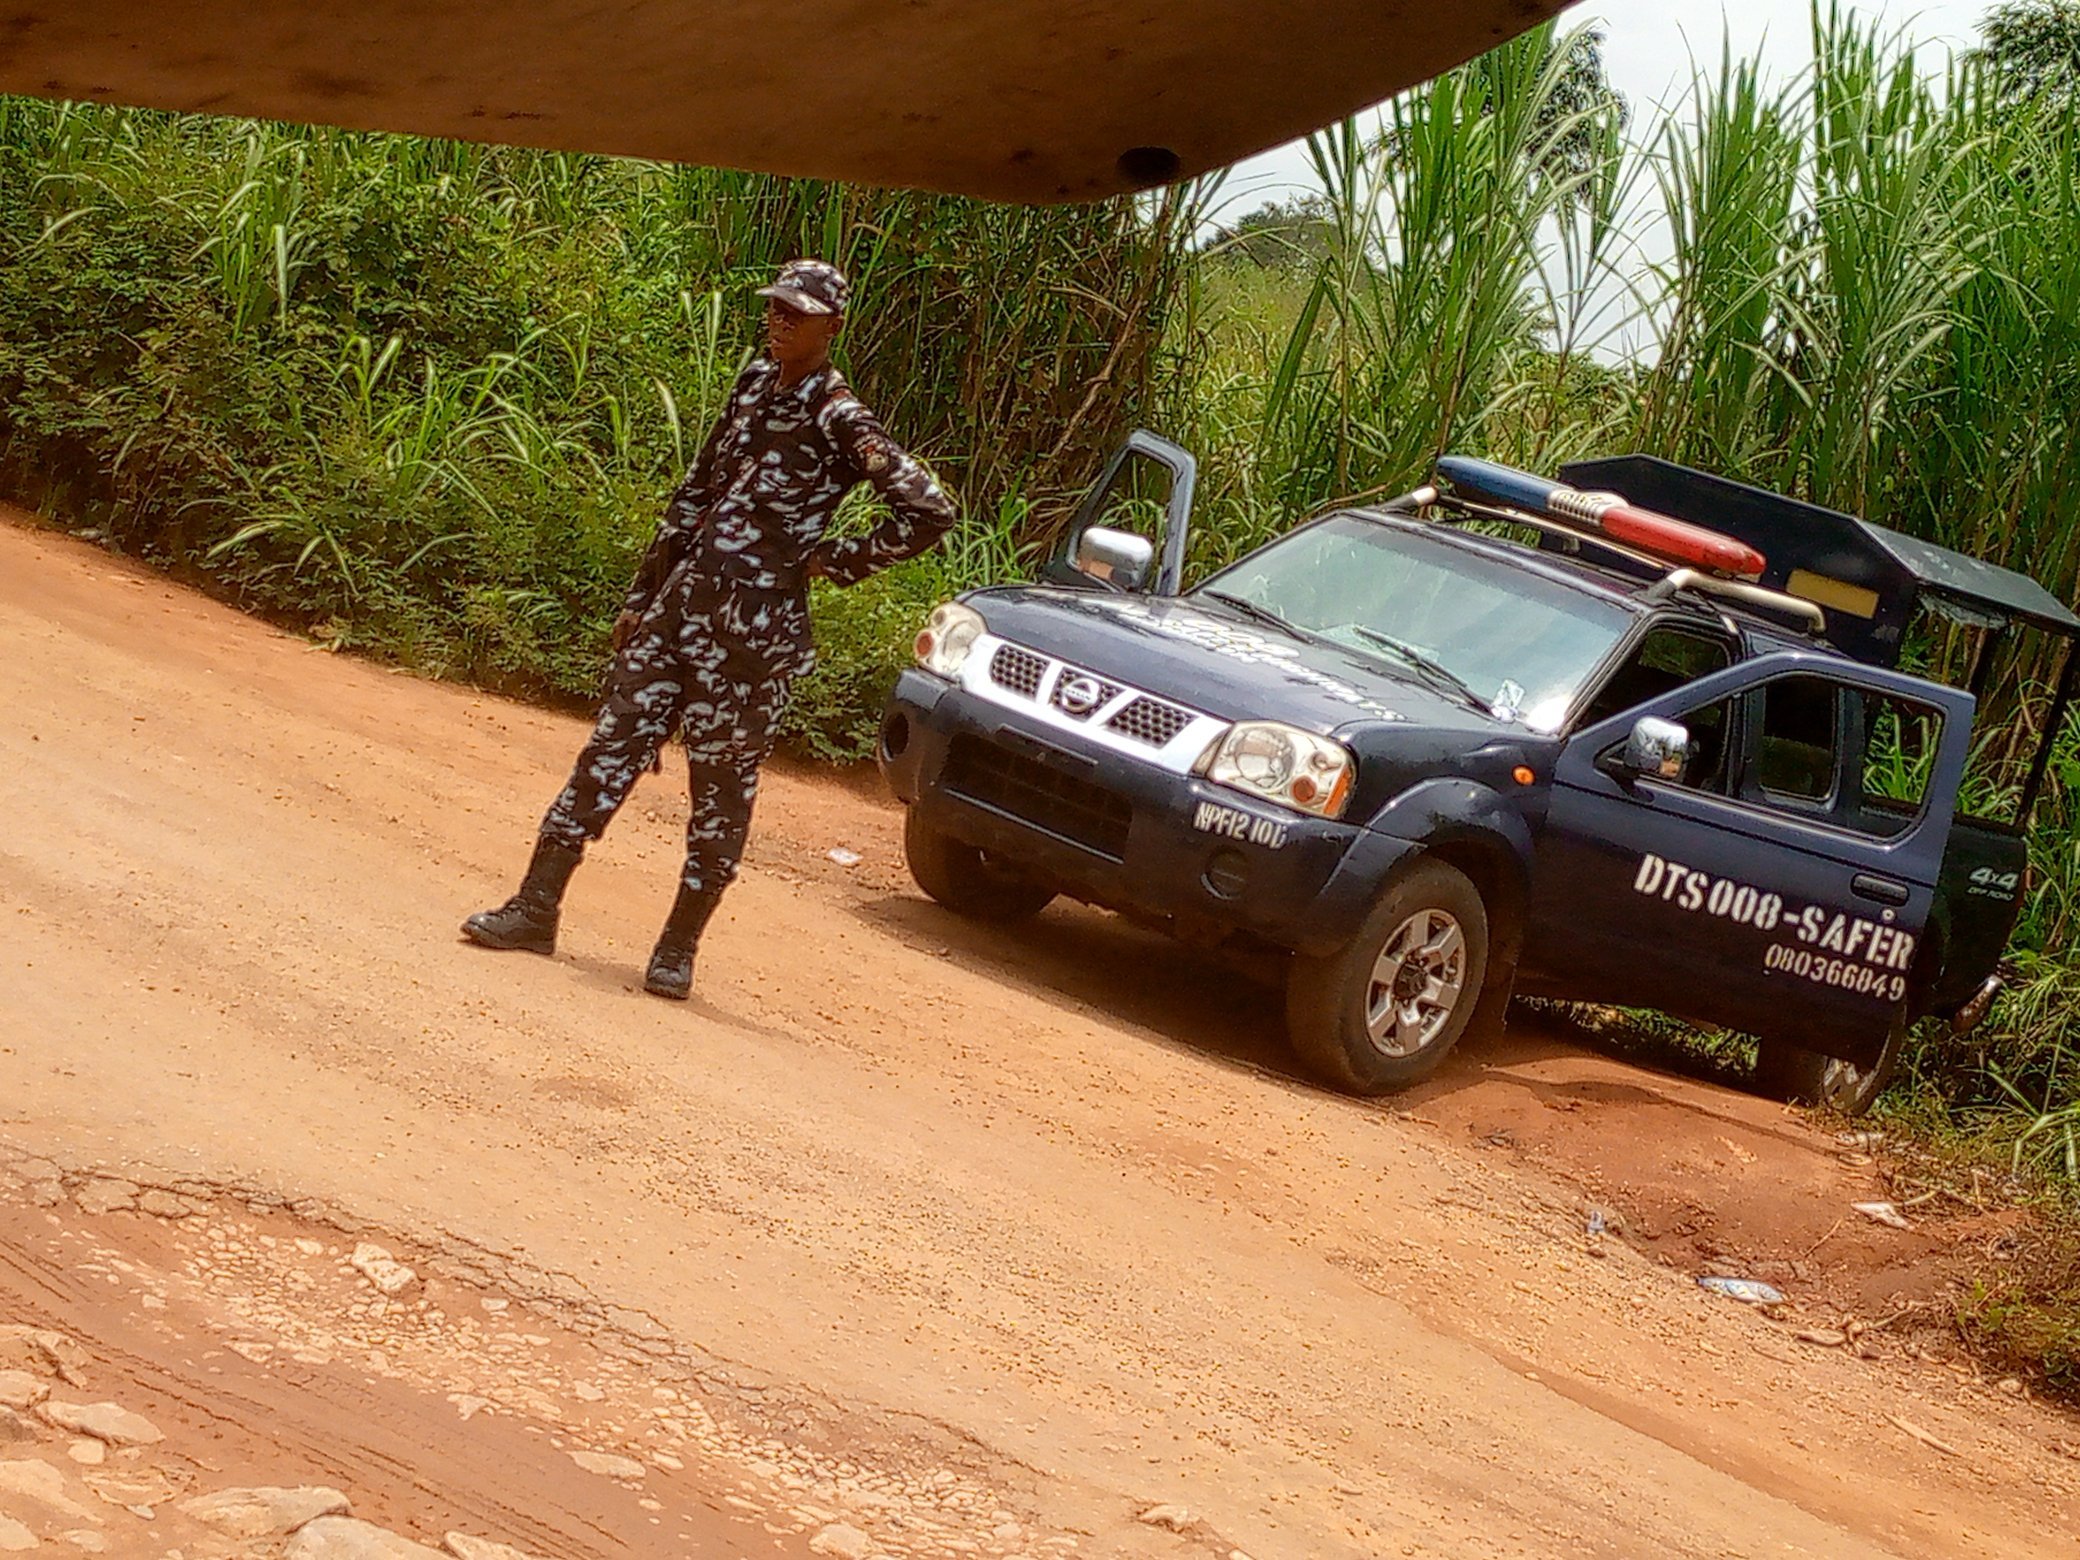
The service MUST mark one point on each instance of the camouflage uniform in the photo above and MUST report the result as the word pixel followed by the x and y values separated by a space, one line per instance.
pixel 721 600
pixel 724 625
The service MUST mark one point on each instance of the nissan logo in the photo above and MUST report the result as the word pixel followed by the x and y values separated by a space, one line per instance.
pixel 1079 695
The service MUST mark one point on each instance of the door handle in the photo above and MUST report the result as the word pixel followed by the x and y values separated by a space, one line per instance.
pixel 1881 890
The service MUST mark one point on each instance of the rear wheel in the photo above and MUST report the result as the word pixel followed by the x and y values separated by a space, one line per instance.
pixel 1791 1073
pixel 1385 1010
pixel 966 879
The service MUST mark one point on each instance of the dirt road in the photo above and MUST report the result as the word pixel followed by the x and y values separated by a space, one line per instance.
pixel 905 1206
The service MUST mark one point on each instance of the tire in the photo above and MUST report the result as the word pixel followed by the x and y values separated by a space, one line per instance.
pixel 1428 926
pixel 1796 1076
pixel 968 880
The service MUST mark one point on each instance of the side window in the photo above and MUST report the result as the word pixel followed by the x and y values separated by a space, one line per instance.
pixel 1665 660
pixel 1135 498
pixel 1860 760
pixel 1711 731
pixel 1900 740
pixel 1798 740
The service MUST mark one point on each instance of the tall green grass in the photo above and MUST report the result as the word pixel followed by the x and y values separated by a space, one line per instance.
pixel 428 398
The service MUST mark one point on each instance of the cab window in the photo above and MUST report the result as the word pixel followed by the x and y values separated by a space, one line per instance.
pixel 1667 658
pixel 1798 741
pixel 1861 759
pixel 1900 743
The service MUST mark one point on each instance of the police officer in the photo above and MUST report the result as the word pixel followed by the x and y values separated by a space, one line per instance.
pixel 715 628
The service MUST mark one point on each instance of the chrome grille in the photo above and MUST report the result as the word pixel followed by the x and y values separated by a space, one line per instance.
pixel 1019 670
pixel 1123 717
pixel 1151 721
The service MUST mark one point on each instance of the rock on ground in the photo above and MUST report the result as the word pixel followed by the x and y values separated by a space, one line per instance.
pixel 345 1538
pixel 842 1541
pixel 266 1511
pixel 608 1465
pixel 40 1482
pixel 19 1389
pixel 106 1196
pixel 103 1421
pixel 380 1268
pixel 14 1538
pixel 463 1547
pixel 41 1349
pixel 1175 1518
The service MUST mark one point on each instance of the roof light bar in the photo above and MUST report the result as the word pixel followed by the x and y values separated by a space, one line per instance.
pixel 1607 514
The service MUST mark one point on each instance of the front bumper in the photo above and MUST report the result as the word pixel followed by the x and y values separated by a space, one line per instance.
pixel 1127 833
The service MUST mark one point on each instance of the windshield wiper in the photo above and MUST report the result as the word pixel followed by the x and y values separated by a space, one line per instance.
pixel 1432 668
pixel 1255 613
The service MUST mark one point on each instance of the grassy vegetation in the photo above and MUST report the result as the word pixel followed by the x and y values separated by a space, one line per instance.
pixel 425 398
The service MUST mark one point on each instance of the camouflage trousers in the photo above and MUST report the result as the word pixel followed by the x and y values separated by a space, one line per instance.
pixel 717 663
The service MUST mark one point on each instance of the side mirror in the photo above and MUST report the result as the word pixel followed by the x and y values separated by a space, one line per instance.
pixel 1129 486
pixel 1116 558
pixel 1657 747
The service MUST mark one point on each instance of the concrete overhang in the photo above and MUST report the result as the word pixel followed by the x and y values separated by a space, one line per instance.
pixel 1013 100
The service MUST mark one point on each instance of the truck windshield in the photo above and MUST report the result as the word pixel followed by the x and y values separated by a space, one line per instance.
pixel 1519 642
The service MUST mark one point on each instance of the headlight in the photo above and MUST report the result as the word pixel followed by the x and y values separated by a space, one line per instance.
pixel 1283 764
pixel 944 642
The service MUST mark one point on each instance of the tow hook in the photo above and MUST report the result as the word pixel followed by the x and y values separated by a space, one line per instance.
pixel 1968 1017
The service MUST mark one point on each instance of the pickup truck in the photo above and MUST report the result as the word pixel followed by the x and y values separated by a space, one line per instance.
pixel 1636 737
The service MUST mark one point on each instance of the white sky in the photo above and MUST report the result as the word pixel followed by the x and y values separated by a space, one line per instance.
pixel 1649 46
pixel 1651 49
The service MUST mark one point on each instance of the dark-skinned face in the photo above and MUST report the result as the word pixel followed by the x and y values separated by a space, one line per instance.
pixel 799 342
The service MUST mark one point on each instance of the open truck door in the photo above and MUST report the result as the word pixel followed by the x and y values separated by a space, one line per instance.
pixel 1750 884
pixel 1994 632
pixel 1138 511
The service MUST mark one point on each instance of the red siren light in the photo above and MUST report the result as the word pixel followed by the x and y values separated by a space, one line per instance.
pixel 1680 542
pixel 1661 536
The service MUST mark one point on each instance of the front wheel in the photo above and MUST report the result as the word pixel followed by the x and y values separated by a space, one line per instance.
pixel 1793 1074
pixel 967 880
pixel 1383 1012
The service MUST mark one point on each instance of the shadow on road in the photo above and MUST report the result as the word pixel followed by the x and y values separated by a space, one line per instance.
pixel 1233 1009
pixel 1228 1009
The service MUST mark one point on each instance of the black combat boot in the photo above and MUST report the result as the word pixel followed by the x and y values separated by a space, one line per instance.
pixel 527 921
pixel 671 962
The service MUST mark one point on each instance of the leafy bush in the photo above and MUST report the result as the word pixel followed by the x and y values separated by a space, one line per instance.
pixel 863 637
pixel 427 398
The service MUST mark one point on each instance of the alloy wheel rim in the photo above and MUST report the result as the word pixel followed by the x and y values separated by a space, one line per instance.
pixel 1416 982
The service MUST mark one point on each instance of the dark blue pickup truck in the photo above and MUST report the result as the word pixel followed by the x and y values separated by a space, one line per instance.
pixel 1635 737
